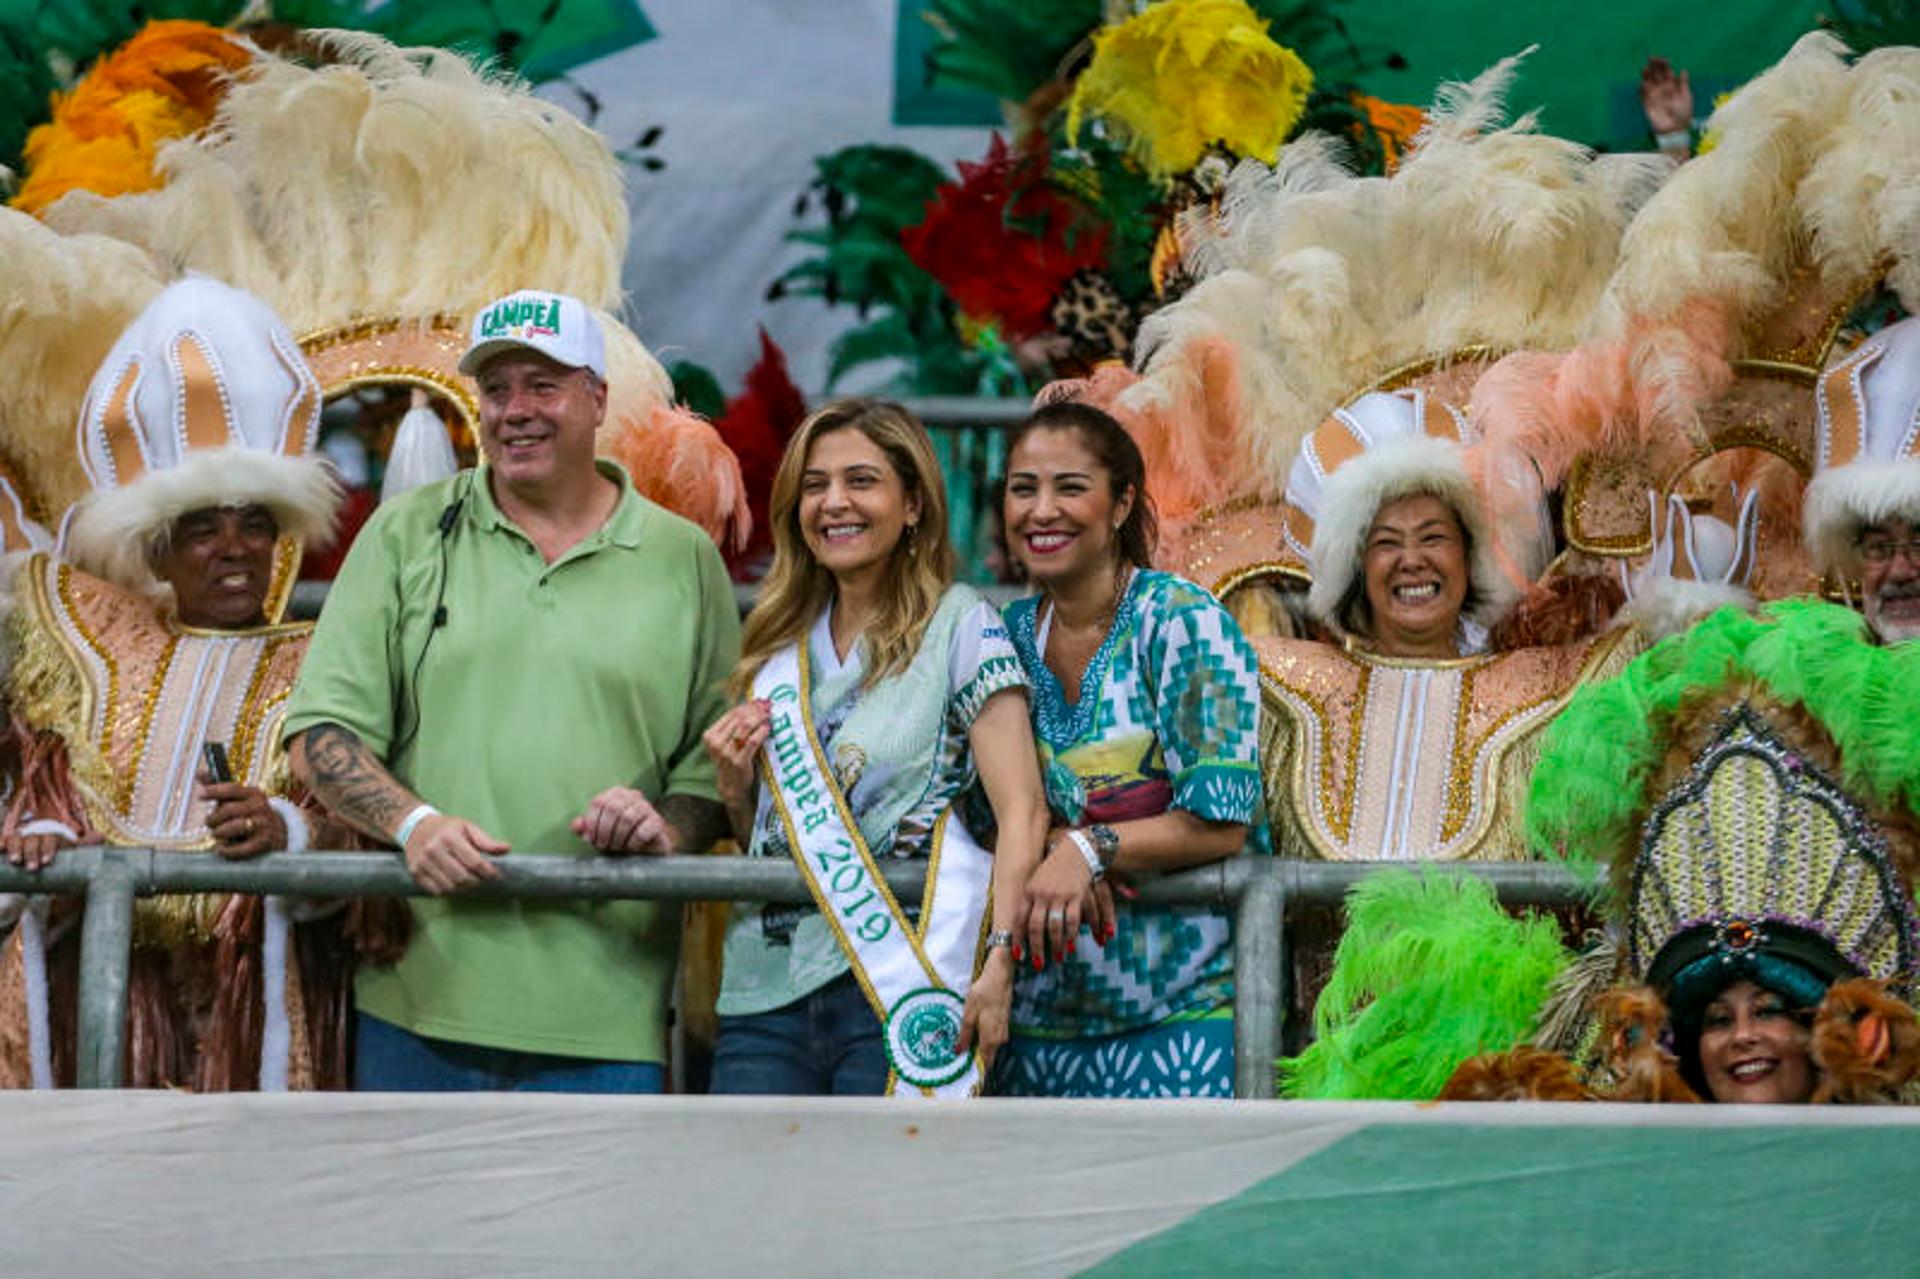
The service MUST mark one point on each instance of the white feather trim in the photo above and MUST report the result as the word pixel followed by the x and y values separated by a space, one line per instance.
pixel 109 530
pixel 1842 501
pixel 1354 495
pixel 1669 605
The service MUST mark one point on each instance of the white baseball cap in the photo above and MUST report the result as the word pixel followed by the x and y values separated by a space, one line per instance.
pixel 557 326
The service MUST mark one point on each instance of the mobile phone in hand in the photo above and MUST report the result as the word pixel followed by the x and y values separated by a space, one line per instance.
pixel 215 754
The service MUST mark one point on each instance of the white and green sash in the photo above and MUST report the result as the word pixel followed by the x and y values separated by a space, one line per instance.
pixel 915 978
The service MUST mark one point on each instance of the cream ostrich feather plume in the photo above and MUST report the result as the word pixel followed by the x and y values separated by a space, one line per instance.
pixel 1315 282
pixel 1813 187
pixel 1861 197
pixel 1715 247
pixel 407 184
pixel 394 182
pixel 63 302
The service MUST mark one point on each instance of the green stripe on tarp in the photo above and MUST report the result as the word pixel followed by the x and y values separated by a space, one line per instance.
pixel 1496 1202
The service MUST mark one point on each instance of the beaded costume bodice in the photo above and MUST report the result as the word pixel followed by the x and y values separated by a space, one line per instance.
pixel 134 695
pixel 1373 758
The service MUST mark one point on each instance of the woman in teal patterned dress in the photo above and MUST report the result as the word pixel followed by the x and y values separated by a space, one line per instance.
pixel 1145 703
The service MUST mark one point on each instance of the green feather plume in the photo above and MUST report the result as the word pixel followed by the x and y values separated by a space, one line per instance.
pixel 1429 973
pixel 1589 792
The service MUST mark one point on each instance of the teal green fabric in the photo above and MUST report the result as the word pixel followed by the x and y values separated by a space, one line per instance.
pixel 1476 1201
pixel 899 750
pixel 547 685
pixel 1184 1056
pixel 1167 716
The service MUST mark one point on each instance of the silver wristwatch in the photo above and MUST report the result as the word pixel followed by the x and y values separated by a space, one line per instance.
pixel 1106 842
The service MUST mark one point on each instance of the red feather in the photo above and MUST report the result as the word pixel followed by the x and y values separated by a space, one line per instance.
pixel 757 425
pixel 1002 243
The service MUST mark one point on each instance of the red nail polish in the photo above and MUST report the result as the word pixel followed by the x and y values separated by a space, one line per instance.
pixel 1069 948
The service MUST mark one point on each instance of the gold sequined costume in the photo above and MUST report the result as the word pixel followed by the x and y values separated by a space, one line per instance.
pixel 1370 758
pixel 126 694
pixel 202 401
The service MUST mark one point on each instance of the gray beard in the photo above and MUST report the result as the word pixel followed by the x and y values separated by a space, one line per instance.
pixel 1889 632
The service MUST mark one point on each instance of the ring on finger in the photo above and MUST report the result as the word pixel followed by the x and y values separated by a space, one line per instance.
pixel 1056 916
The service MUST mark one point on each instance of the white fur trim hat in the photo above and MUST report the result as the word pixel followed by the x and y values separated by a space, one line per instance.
pixel 1382 447
pixel 204 401
pixel 1867 445
pixel 557 326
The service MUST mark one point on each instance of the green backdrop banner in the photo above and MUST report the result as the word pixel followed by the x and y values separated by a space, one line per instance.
pixel 1583 78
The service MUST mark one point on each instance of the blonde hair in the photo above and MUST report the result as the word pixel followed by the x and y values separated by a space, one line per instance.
pixel 797 587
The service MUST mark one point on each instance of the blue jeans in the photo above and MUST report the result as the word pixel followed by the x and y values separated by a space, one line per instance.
pixel 390 1058
pixel 826 1044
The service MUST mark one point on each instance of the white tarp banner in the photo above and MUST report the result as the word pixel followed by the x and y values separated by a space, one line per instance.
pixel 338 1185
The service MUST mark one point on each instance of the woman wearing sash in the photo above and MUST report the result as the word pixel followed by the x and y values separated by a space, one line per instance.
pixel 1146 705
pixel 876 690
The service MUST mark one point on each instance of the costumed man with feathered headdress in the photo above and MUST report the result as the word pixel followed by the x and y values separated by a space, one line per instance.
pixel 150 674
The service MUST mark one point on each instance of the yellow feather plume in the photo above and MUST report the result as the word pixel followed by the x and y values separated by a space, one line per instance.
pixel 1186 74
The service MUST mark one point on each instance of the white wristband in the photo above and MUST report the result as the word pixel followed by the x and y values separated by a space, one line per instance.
pixel 1088 851
pixel 1673 141
pixel 410 822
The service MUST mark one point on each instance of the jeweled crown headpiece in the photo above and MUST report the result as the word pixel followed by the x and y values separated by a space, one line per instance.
pixel 1758 865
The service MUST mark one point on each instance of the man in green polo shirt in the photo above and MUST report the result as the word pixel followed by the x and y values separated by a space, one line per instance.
pixel 522 657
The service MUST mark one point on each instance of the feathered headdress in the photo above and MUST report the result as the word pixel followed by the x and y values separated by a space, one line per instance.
pixel 1733 283
pixel 1002 242
pixel 64 301
pixel 1185 75
pixel 105 135
pixel 1867 463
pixel 203 401
pixel 1429 972
pixel 1387 446
pixel 377 200
pixel 1316 285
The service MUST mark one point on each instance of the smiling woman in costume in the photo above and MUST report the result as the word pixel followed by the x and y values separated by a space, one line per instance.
pixel 1146 707
pixel 1765 921
pixel 879 691
pixel 1410 738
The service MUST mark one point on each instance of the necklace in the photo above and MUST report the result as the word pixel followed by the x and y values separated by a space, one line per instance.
pixel 1102 622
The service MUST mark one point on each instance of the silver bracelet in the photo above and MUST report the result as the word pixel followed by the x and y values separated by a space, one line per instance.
pixel 999 938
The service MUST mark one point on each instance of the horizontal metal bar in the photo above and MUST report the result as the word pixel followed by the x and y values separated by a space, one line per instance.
pixel 1516 883
pixel 957 412
pixel 381 874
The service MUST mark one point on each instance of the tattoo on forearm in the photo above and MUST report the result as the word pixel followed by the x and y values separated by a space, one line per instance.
pixel 700 822
pixel 352 782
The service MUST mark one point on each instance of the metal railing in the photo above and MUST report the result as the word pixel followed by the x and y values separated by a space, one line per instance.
pixel 1259 891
